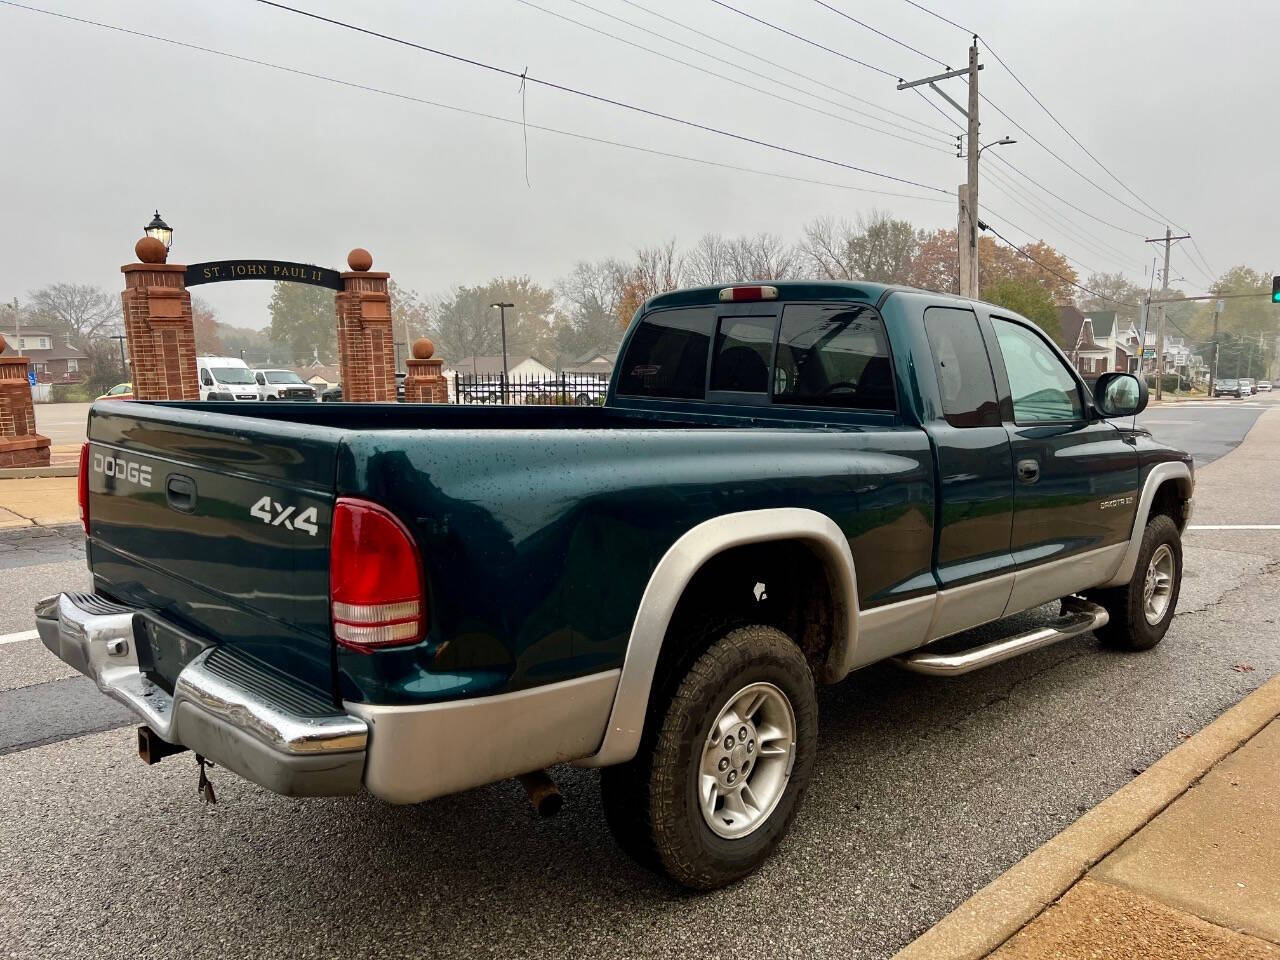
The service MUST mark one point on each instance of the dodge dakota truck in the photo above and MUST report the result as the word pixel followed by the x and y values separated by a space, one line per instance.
pixel 786 483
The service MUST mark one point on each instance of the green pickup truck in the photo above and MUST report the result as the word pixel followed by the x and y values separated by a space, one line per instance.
pixel 786 483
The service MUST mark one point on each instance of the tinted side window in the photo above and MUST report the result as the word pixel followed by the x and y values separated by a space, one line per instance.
pixel 667 356
pixel 833 356
pixel 964 371
pixel 1042 388
pixel 744 349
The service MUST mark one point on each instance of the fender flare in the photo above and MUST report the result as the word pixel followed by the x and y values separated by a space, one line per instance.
pixel 1160 473
pixel 667 584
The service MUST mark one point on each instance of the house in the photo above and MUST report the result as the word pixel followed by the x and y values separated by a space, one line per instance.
pixel 1070 319
pixel 53 359
pixel 1103 342
pixel 519 367
pixel 319 374
pixel 594 364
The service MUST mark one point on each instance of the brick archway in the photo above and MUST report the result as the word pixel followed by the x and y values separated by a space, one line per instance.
pixel 161 336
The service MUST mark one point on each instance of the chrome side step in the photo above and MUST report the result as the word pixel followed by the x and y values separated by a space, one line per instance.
pixel 1078 616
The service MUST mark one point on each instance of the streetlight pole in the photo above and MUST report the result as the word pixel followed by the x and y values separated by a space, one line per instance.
pixel 502 314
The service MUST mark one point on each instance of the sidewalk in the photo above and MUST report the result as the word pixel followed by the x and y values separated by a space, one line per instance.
pixel 38 501
pixel 1180 863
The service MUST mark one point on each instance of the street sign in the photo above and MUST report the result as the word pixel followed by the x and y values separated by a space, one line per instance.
pixel 1148 353
pixel 31 377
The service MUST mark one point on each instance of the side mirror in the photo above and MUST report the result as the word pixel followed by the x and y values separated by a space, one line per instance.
pixel 1120 395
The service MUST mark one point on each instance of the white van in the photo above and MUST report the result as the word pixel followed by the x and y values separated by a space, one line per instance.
pixel 225 378
pixel 282 385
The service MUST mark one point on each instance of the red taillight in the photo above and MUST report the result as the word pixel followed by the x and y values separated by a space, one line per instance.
pixel 83 487
pixel 375 579
pixel 753 292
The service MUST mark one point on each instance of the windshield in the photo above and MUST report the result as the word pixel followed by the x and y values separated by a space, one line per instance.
pixel 232 374
pixel 282 376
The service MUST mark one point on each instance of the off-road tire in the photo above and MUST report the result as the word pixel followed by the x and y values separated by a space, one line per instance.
pixel 1128 628
pixel 651 803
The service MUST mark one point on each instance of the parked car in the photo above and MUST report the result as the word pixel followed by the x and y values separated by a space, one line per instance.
pixel 121 391
pixel 282 385
pixel 1229 387
pixel 225 378
pixel 787 483
pixel 1247 386
pixel 334 393
pixel 1264 386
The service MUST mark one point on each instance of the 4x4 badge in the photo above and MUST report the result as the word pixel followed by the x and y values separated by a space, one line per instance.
pixel 277 514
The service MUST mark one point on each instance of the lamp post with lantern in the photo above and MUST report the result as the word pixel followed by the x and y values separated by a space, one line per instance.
pixel 160 230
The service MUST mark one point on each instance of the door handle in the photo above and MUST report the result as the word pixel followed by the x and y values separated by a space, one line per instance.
pixel 1028 471
pixel 180 491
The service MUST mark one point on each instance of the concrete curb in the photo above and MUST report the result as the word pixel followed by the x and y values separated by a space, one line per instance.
pixel 22 473
pixel 1003 907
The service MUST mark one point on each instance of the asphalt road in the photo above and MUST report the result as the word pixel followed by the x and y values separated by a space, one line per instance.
pixel 1207 429
pixel 925 790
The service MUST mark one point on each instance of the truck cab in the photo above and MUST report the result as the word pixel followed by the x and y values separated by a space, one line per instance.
pixel 225 378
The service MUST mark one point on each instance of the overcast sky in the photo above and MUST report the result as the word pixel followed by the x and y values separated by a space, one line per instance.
pixel 1176 98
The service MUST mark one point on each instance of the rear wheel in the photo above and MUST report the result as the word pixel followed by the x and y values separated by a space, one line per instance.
pixel 721 772
pixel 1142 611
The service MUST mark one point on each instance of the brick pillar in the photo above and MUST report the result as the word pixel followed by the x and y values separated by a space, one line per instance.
pixel 366 346
pixel 158 326
pixel 425 382
pixel 20 445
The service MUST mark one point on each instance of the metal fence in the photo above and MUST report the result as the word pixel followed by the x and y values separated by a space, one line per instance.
pixel 567 389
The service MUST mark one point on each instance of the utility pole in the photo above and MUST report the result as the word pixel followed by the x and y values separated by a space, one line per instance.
pixel 1167 240
pixel 17 327
pixel 967 232
pixel 1213 357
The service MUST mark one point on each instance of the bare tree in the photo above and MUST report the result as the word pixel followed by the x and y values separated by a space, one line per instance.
pixel 876 247
pixel 587 307
pixel 718 259
pixel 78 310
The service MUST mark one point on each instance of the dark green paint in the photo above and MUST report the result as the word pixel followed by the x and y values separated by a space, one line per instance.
pixel 540 526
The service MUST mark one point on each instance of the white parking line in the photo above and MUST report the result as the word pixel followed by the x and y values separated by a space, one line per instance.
pixel 17 637
pixel 1234 526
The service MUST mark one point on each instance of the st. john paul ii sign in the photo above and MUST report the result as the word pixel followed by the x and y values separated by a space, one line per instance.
pixel 216 271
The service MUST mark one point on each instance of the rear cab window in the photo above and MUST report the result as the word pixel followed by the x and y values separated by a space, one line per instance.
pixel 962 366
pixel 817 355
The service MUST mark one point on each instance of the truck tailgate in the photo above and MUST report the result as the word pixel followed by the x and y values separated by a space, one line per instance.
pixel 219 525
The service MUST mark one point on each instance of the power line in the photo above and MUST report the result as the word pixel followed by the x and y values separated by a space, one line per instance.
pixel 881 33
pixel 463 110
pixel 755 73
pixel 526 77
pixel 812 43
pixel 1048 269
pixel 1074 138
pixel 728 79
pixel 773 63
pixel 939 16
pixel 1196 247
pixel 1060 199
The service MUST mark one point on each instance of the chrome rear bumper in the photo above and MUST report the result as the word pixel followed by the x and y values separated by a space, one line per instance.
pixel 229 722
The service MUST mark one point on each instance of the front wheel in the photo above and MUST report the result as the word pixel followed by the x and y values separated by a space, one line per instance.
pixel 721 772
pixel 1142 611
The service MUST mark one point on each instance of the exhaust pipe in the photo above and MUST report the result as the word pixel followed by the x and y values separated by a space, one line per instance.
pixel 152 749
pixel 543 792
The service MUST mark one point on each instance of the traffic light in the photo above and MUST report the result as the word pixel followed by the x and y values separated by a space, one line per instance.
pixel 1275 289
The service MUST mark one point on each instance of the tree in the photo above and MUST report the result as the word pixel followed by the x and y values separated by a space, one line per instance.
pixel 463 324
pixel 586 316
pixel 409 313
pixel 205 324
pixel 936 265
pixel 876 248
pixel 1117 292
pixel 656 270
pixel 718 260
pixel 78 311
pixel 304 322
pixel 256 346
pixel 996 262
pixel 1027 296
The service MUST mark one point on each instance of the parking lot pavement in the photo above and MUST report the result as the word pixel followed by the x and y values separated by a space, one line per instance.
pixel 924 791
pixel 62 423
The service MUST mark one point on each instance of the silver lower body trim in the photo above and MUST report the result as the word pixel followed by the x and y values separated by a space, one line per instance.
pixel 428 750
pixel 232 726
